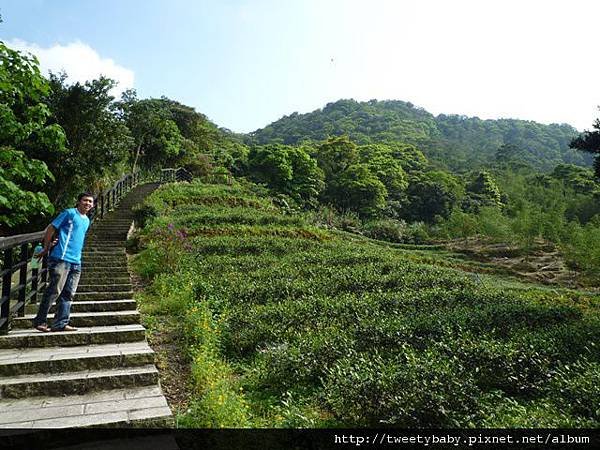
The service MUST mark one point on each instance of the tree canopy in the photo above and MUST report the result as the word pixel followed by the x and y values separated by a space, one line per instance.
pixel 589 142
pixel 24 123
pixel 97 140
pixel 452 141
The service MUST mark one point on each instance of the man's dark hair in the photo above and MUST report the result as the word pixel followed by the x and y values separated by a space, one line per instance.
pixel 85 194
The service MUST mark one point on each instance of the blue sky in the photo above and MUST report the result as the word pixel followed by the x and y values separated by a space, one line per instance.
pixel 247 63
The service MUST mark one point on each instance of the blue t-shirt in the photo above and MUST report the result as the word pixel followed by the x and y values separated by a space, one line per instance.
pixel 71 226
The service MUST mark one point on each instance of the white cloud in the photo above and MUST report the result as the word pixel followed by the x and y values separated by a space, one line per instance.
pixel 80 61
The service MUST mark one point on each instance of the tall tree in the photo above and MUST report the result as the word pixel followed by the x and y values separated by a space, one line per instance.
pixel 286 169
pixel 23 123
pixel 335 155
pixel 382 162
pixel 157 138
pixel 589 141
pixel 97 139
pixel 432 195
pixel 358 189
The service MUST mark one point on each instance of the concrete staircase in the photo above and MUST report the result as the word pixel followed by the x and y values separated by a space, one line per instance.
pixel 103 374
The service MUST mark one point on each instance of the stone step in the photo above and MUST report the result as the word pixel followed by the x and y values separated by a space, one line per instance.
pixel 102 227
pixel 83 336
pixel 104 287
pixel 119 261
pixel 111 237
pixel 100 301
pixel 116 220
pixel 101 231
pixel 120 246
pixel 95 296
pixel 104 231
pixel 118 217
pixel 100 242
pixel 96 256
pixel 100 280
pixel 102 276
pixel 103 244
pixel 106 244
pixel 27 361
pixel 104 306
pixel 85 319
pixel 106 268
pixel 119 406
pixel 120 223
pixel 121 240
pixel 78 382
pixel 107 251
pixel 103 269
pixel 116 252
pixel 103 262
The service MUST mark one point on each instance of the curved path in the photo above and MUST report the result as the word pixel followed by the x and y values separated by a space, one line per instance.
pixel 104 373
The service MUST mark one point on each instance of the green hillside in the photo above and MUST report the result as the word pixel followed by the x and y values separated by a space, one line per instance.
pixel 286 324
pixel 454 141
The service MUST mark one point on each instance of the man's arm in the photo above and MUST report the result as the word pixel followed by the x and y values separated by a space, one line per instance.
pixel 48 237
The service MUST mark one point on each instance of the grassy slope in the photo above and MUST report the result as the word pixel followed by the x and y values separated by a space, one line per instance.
pixel 290 325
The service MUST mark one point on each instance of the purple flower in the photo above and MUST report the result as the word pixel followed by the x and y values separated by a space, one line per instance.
pixel 171 226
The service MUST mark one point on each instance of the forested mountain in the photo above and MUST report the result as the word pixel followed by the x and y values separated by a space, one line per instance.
pixel 454 141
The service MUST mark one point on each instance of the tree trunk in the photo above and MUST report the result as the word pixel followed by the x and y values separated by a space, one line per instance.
pixel 137 155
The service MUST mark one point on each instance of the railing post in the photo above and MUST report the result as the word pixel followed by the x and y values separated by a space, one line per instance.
pixel 6 281
pixel 101 205
pixel 34 285
pixel 23 278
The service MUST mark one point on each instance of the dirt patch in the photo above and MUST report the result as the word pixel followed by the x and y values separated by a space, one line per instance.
pixel 173 366
pixel 542 262
pixel 165 338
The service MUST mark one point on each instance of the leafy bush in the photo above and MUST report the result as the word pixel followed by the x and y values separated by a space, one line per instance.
pixel 386 230
pixel 143 214
pixel 578 386
pixel 408 389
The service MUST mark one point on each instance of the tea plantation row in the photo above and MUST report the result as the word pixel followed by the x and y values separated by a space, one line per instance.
pixel 289 325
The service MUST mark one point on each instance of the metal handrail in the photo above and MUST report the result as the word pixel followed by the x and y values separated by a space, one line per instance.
pixel 175 174
pixel 109 199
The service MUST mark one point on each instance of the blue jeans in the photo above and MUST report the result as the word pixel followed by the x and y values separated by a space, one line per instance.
pixel 64 278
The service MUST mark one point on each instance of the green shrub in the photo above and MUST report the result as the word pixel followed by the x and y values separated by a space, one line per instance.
pixel 386 230
pixel 578 386
pixel 408 389
pixel 143 214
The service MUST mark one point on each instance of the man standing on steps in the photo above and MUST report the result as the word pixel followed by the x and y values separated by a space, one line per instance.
pixel 64 263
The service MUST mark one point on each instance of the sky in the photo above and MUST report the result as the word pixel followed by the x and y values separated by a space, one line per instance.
pixel 247 63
